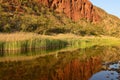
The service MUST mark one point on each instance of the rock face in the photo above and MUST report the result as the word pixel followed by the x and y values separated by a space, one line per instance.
pixel 74 9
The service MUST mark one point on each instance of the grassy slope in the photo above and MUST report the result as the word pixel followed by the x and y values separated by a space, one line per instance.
pixel 110 23
pixel 29 16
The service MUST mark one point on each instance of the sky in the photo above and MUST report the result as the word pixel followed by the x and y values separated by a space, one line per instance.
pixel 110 6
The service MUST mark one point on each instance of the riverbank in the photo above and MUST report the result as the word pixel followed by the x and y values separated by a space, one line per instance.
pixel 31 41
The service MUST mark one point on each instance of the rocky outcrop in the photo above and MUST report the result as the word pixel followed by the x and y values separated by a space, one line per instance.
pixel 74 9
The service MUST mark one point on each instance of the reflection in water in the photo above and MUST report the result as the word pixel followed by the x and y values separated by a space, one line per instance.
pixel 79 64
pixel 68 65
pixel 111 65
pixel 111 71
pixel 26 52
pixel 105 75
pixel 76 70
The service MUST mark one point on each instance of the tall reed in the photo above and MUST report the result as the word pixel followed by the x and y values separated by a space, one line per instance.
pixel 32 44
pixel 24 42
pixel 28 42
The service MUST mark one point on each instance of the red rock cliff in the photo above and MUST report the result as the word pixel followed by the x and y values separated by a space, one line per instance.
pixel 74 9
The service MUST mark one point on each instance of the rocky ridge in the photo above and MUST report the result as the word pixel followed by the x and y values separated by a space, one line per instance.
pixel 74 9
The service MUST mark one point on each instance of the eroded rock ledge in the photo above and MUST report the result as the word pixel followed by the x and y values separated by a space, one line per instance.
pixel 74 9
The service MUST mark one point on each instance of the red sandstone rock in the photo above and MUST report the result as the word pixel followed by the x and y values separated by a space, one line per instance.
pixel 74 9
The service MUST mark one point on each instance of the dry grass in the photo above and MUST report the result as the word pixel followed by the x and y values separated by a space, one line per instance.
pixel 28 41
pixel 19 36
pixel 69 38
pixel 16 36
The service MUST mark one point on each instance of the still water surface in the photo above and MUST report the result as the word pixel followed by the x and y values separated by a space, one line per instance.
pixel 96 63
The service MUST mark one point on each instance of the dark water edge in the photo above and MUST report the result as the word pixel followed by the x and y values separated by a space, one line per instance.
pixel 110 71
pixel 79 64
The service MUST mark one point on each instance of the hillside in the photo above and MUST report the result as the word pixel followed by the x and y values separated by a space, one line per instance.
pixel 57 16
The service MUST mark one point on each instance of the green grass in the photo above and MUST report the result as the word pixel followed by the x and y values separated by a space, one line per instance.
pixel 30 44
pixel 33 17
pixel 87 42
pixel 27 42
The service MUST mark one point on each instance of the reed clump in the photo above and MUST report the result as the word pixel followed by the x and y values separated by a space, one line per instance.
pixel 24 42
pixel 28 42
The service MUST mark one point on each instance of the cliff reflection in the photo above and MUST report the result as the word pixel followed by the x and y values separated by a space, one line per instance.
pixel 76 70
pixel 67 65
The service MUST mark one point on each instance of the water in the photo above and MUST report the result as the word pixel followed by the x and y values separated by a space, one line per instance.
pixel 111 71
pixel 96 63
pixel 105 75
